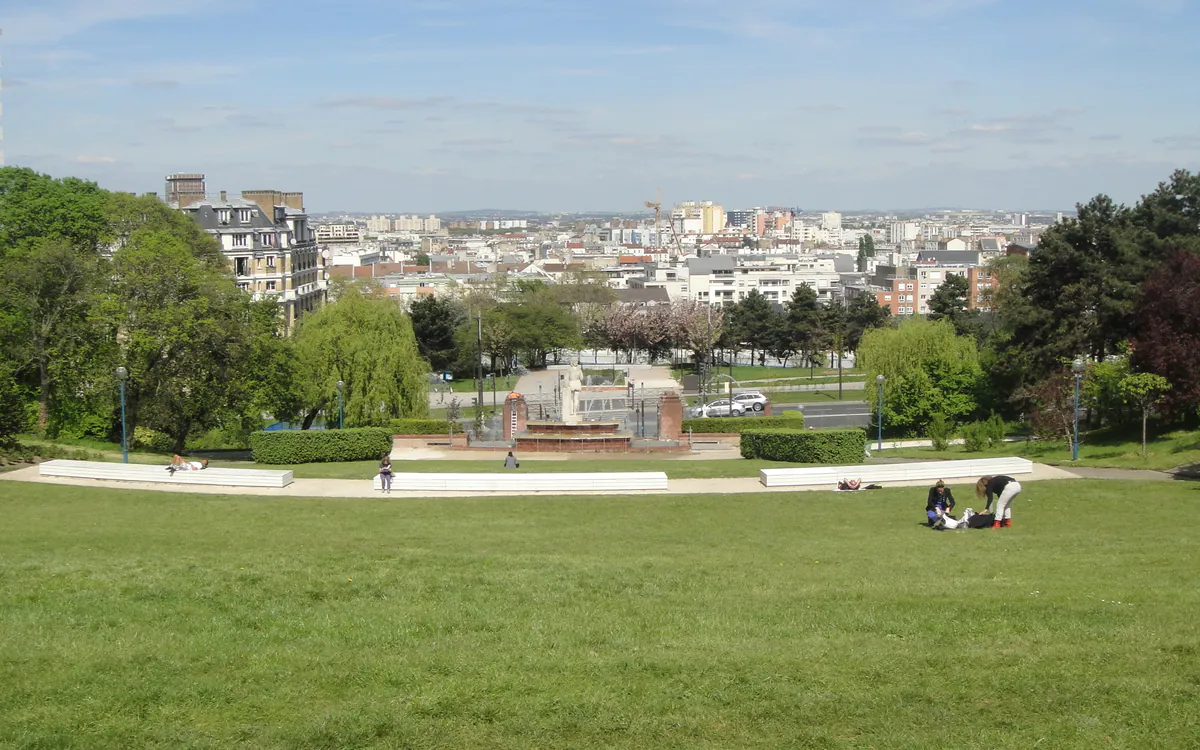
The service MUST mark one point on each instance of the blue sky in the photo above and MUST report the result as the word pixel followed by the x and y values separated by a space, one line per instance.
pixel 388 105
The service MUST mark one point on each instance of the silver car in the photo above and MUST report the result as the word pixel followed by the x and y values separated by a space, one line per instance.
pixel 751 400
pixel 722 408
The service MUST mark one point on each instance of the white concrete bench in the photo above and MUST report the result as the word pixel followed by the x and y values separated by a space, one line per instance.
pixel 519 483
pixel 159 474
pixel 905 472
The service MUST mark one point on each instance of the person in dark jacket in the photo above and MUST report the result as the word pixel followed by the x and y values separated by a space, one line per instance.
pixel 940 502
pixel 1003 489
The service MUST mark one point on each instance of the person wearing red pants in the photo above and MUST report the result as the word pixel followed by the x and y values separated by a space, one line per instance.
pixel 1003 489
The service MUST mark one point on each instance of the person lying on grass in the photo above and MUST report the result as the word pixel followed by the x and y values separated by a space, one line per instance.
pixel 179 463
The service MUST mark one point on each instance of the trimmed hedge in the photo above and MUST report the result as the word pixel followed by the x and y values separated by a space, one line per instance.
pixel 741 424
pixel 419 427
pixel 314 446
pixel 806 446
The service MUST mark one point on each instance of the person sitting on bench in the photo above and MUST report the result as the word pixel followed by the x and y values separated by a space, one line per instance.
pixel 178 463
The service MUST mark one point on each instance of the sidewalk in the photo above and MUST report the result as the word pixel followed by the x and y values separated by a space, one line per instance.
pixel 361 488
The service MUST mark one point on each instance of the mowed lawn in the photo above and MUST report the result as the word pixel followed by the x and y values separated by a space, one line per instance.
pixel 718 468
pixel 156 620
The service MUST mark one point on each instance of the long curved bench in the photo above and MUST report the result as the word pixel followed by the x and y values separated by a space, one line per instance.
pixel 519 482
pixel 159 474
pixel 904 472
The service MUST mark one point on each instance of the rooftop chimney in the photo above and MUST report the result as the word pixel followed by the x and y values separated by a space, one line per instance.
pixel 223 198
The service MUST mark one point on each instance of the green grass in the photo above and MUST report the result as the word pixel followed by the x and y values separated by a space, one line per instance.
pixel 754 373
pixel 1168 451
pixel 820 380
pixel 468 386
pixel 163 620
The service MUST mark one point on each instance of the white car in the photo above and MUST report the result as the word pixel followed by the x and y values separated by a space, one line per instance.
pixel 722 408
pixel 751 400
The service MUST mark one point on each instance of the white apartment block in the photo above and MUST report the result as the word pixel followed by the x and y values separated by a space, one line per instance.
pixel 333 233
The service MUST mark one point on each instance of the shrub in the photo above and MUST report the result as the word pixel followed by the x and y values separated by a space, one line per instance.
pixel 806 446
pixel 996 430
pixel 986 434
pixel 13 417
pixel 939 431
pixel 152 440
pixel 419 426
pixel 312 446
pixel 741 424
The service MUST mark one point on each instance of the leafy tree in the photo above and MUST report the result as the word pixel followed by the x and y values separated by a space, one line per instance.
pixel 928 369
pixel 866 249
pixel 48 291
pixel 951 301
pixel 1101 393
pixel 182 333
pixel 435 319
pixel 12 408
pixel 365 340
pixel 1050 405
pixel 273 384
pixel 1144 390
pixel 803 322
pixel 862 314
pixel 753 322
pixel 37 207
pixel 1168 331
pixel 423 260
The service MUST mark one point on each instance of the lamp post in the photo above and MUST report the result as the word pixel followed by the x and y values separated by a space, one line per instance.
pixel 122 376
pixel 341 386
pixel 879 382
pixel 1077 367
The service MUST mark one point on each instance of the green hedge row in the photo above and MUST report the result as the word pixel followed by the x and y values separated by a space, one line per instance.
pixel 314 446
pixel 419 427
pixel 806 446
pixel 794 419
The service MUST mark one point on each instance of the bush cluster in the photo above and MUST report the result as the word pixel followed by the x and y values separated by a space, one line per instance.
pixel 419 426
pixel 741 424
pixel 806 446
pixel 313 446
pixel 978 436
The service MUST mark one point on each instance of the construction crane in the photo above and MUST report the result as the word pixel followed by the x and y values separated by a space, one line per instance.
pixel 657 206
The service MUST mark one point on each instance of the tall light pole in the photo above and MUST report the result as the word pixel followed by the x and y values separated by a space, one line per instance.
pixel 341 386
pixel 879 382
pixel 122 376
pixel 1077 366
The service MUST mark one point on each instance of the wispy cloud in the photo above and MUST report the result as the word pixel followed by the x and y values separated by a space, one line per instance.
pixel 1179 142
pixel 51 21
pixel 86 159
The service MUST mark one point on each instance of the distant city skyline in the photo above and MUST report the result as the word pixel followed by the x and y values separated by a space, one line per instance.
pixel 553 106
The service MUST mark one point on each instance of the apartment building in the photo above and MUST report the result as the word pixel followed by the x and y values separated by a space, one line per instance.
pixel 906 290
pixel 273 251
pixel 727 279
pixel 329 234
pixel 697 217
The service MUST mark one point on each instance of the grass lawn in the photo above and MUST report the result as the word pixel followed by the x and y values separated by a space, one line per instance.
pixel 156 620
pixel 823 379
pixel 1168 451
pixel 755 373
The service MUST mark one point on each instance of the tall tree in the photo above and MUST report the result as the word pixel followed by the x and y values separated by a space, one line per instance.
pixel 38 207
pixel 1144 390
pixel 752 319
pixel 952 301
pixel 434 320
pixel 182 330
pixel 866 249
pixel 928 369
pixel 1168 331
pixel 803 313
pixel 48 291
pixel 862 314
pixel 12 407
pixel 366 341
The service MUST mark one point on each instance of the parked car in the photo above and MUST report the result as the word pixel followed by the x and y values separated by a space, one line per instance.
pixel 722 408
pixel 751 400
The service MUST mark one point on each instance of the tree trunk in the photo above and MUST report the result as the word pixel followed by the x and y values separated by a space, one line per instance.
pixel 1145 416
pixel 43 398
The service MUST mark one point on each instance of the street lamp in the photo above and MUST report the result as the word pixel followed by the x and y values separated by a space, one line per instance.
pixel 341 386
pixel 122 376
pixel 1077 366
pixel 879 382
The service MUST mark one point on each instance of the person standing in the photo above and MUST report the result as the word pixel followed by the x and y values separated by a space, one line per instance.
pixel 510 461
pixel 939 503
pixel 1003 489
pixel 385 475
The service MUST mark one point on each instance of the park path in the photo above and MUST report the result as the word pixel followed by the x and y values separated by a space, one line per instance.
pixel 361 488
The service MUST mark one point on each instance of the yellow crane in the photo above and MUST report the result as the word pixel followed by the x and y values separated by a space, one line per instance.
pixel 657 206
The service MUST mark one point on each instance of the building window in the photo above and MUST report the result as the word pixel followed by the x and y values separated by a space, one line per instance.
pixel 270 286
pixel 239 240
pixel 244 215
pixel 244 286
pixel 241 266
pixel 270 261
pixel 223 215
pixel 268 240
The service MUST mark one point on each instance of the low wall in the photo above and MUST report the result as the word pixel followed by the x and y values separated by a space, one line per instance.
pixel 429 441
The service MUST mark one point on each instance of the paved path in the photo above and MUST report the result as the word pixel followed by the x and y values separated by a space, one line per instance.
pixel 361 488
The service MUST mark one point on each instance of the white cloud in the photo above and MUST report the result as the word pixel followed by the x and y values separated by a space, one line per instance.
pixel 51 21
